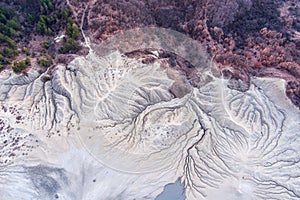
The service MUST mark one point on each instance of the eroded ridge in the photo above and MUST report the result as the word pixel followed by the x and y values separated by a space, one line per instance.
pixel 42 98
pixel 230 141
pixel 250 158
pixel 134 122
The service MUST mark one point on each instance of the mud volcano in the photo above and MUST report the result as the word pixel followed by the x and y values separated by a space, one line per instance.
pixel 144 110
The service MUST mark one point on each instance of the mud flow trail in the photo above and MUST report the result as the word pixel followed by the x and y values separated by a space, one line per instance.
pixel 144 109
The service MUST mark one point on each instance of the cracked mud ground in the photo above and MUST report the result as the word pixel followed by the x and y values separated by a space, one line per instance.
pixel 135 114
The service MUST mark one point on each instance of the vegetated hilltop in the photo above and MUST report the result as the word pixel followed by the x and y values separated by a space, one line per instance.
pixel 28 31
pixel 245 37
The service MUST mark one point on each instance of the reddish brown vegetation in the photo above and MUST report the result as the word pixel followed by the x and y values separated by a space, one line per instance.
pixel 246 38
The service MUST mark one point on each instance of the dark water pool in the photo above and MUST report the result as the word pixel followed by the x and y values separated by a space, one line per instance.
pixel 172 191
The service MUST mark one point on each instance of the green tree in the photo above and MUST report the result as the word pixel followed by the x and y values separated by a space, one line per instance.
pixel 3 60
pixel 70 47
pixel 27 61
pixel 45 45
pixel 13 24
pixel 43 25
pixel 21 65
pixel 47 6
pixel 65 12
pixel 75 31
pixel 26 51
pixel 10 53
pixel 44 62
pixel 11 43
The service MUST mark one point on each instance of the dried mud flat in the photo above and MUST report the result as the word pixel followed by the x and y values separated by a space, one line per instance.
pixel 143 109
